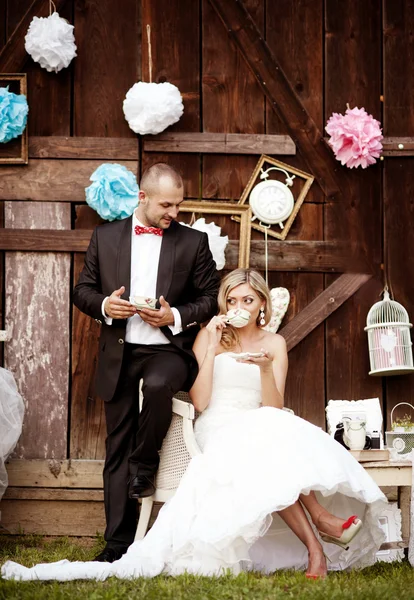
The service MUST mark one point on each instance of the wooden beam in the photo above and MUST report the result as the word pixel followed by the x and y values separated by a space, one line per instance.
pixel 76 515
pixel 33 493
pixel 283 99
pixel 323 306
pixel 220 143
pixel 55 180
pixel 398 146
pixel 44 240
pixel 86 474
pixel 14 56
pixel 83 147
pixel 314 257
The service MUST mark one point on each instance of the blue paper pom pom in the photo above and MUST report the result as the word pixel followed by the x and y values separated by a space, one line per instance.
pixel 13 114
pixel 113 193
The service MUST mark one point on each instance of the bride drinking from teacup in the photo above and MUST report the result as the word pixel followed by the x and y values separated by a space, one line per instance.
pixel 269 491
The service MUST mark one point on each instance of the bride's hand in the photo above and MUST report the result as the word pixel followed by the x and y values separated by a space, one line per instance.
pixel 215 329
pixel 263 362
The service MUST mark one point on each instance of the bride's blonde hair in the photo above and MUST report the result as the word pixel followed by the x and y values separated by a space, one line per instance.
pixel 230 337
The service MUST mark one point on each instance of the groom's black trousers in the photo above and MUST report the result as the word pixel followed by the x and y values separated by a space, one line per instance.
pixel 135 438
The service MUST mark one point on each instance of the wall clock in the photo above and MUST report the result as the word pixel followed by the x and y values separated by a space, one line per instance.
pixel 271 200
pixel 275 192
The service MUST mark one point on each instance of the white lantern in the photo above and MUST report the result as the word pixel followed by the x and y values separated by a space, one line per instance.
pixel 389 341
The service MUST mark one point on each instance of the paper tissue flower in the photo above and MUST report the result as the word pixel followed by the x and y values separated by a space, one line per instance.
pixel 152 107
pixel 216 241
pixel 13 114
pixel 50 42
pixel 113 193
pixel 355 137
pixel 280 301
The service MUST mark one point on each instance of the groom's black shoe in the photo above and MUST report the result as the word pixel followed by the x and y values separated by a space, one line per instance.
pixel 141 486
pixel 110 554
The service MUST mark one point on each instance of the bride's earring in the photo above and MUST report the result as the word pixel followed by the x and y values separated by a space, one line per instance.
pixel 261 315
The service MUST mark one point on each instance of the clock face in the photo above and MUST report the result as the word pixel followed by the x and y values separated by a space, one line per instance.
pixel 271 201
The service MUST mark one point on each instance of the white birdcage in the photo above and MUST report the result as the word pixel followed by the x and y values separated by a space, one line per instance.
pixel 389 341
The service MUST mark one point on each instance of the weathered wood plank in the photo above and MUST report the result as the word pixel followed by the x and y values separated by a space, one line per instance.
pixel 51 180
pixel 325 304
pixel 305 394
pixel 52 494
pixel 57 517
pixel 1 282
pixel 14 56
pixel 55 90
pixel 3 37
pixel 45 240
pixel 294 33
pixel 107 66
pixel 55 473
pixel 177 29
pixel 398 173
pixel 87 416
pixel 291 29
pixel 404 501
pixel 37 320
pixel 83 148
pixel 353 75
pixel 228 85
pixel 317 257
pixel 220 143
pixel 398 17
pixel 267 71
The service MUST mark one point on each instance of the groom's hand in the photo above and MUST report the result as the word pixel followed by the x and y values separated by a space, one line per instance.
pixel 117 308
pixel 158 318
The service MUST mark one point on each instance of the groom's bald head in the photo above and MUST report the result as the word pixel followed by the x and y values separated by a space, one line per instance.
pixel 159 175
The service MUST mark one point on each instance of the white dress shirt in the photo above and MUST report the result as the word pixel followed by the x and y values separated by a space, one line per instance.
pixel 145 256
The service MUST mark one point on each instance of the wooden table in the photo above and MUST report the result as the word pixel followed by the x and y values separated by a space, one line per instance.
pixel 399 474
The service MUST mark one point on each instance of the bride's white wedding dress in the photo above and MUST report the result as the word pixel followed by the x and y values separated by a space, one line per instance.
pixel 255 461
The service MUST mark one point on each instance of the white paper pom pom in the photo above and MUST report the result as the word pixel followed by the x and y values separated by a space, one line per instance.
pixel 152 107
pixel 217 242
pixel 50 42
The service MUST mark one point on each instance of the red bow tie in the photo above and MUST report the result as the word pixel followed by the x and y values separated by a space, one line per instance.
pixel 154 230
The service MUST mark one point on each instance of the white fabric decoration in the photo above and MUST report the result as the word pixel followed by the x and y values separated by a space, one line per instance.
pixel 50 42
pixel 152 107
pixel 370 409
pixel 11 421
pixel 216 241
pixel 280 302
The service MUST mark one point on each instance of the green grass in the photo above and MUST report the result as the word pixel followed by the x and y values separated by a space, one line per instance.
pixel 382 581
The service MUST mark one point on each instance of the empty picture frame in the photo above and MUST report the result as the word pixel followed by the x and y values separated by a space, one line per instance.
pixel 226 208
pixel 16 151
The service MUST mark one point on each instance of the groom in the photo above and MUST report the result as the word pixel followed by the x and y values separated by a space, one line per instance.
pixel 151 255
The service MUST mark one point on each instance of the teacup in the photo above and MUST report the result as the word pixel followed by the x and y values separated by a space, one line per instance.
pixel 238 317
pixel 143 302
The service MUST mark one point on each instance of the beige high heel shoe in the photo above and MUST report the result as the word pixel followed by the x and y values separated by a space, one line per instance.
pixel 351 528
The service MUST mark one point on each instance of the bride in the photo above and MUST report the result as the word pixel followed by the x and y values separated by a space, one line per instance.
pixel 270 491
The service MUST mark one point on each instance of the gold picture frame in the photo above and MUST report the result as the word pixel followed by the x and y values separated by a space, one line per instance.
pixel 16 151
pixel 298 202
pixel 243 212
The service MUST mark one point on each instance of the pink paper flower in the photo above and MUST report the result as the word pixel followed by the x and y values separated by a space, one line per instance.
pixel 355 137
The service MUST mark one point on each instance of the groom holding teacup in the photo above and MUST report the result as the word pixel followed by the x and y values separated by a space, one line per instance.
pixel 132 266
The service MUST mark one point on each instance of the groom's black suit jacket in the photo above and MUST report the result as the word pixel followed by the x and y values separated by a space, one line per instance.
pixel 187 278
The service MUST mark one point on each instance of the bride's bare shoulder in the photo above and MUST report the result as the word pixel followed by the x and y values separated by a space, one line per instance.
pixel 277 342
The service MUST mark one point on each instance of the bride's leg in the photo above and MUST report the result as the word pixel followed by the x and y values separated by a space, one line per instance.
pixel 322 519
pixel 295 518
